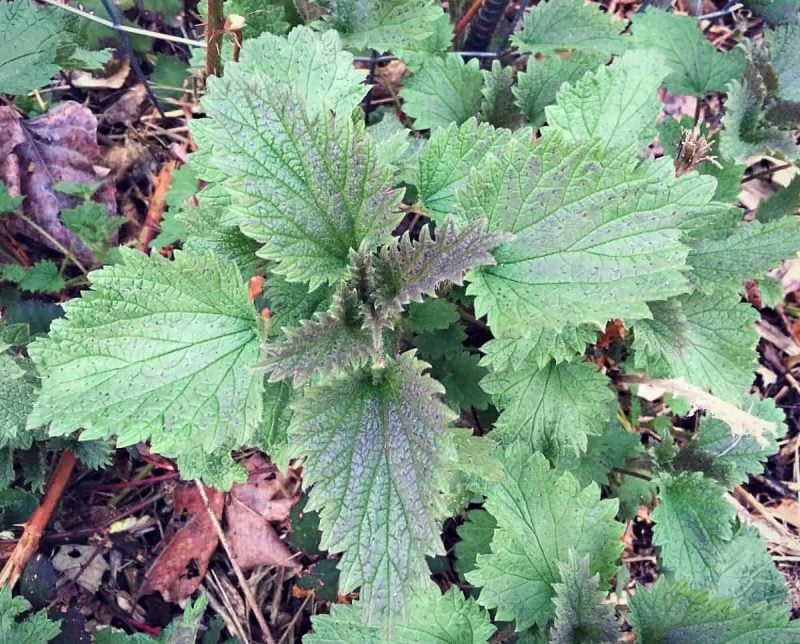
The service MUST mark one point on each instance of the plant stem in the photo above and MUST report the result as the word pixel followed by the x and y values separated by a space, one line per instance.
pixel 57 244
pixel 34 528
pixel 215 28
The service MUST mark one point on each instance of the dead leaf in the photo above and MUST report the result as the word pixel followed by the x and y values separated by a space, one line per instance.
pixel 249 512
pixel 83 564
pixel 60 145
pixel 113 77
pixel 180 567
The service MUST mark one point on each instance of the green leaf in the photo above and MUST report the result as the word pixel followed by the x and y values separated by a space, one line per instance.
pixel 749 252
pixel 697 67
pixel 446 90
pixel 375 445
pixel 708 340
pixel 672 612
pixel 43 277
pixel 693 526
pixel 596 234
pixel 156 350
pixel 91 224
pixel 407 271
pixel 8 204
pixel 314 63
pixel 31 40
pixel 261 16
pixel 475 537
pixel 31 630
pixel 784 53
pixel 553 409
pixel 537 86
pixel 616 104
pixel 391 139
pixel 431 314
pixel 290 302
pixel 330 342
pixel 498 107
pixel 343 625
pixel 435 618
pixel 540 514
pixel 417 54
pixel 13 273
pixel 382 25
pixel 461 373
pixel 581 617
pixel 784 202
pixel 744 134
pixel 444 165
pixel 569 24
pixel 774 12
pixel 504 354
pixel 309 189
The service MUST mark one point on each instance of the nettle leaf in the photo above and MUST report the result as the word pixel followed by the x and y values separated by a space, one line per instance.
pixel 43 277
pixel 553 409
pixel 616 104
pixel 260 17
pixel 541 514
pixel 671 611
pixel 330 342
pixel 406 271
pixel 569 24
pixel 446 90
pixel 322 73
pixel 433 618
pixel 31 40
pixel 781 203
pixel 708 340
pixel 503 354
pixel 309 189
pixel 18 392
pixel 537 86
pixel 581 617
pixel 461 374
pixel 444 165
pixel 157 350
pixel 431 315
pixel 376 444
pixel 596 234
pixel 784 52
pixel 748 253
pixel 417 54
pixel 744 135
pixel 383 25
pixel 693 526
pixel 475 537
pixel 34 628
pixel 498 107
pixel 291 302
pixel 697 67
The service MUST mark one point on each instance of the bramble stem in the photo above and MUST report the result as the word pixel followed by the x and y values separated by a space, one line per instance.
pixel 215 28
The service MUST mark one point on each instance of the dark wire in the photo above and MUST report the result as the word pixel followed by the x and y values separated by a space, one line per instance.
pixel 137 69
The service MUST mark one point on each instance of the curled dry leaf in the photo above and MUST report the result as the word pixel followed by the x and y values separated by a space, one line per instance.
pixel 60 145
pixel 250 510
pixel 180 567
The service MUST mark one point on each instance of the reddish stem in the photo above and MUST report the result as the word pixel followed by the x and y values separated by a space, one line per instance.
pixel 467 17
pixel 215 28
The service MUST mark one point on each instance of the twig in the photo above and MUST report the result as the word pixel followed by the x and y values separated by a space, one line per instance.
pixel 215 28
pixel 56 244
pixel 767 172
pixel 754 503
pixel 130 30
pixel 248 592
pixel 155 207
pixel 34 528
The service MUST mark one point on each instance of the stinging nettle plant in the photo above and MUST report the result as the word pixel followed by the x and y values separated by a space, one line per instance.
pixel 553 235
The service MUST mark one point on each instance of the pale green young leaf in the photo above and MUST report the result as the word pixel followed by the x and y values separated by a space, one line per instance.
pixel 597 233
pixel 697 67
pixel 391 139
pixel 540 514
pixel 537 86
pixel 343 625
pixel 383 25
pixel 475 537
pixel 34 629
pixel 314 63
pixel 329 342
pixel 416 54
pixel 309 189
pixel 559 25
pixel 31 38
pixel 615 104
pixel 444 165
pixel 444 91
pixel 706 339
pixel 43 277
pixel 18 392
pixel 672 612
pixel 407 271
pixel 156 350
pixel 784 53
pixel 504 354
pixel 749 252
pixel 693 526
pixel 553 409
pixel 581 617
pixel 744 135
pixel 376 445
